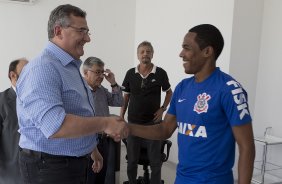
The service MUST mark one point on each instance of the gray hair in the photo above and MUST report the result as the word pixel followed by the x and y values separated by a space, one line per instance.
pixel 147 44
pixel 90 61
pixel 61 16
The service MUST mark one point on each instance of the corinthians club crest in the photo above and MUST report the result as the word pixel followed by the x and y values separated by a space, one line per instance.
pixel 202 103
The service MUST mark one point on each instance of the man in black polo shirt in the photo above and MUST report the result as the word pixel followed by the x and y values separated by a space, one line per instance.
pixel 142 95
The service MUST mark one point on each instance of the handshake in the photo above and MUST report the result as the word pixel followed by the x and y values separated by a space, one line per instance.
pixel 116 128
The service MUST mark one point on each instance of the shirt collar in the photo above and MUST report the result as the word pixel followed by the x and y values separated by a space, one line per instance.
pixel 14 88
pixel 62 55
pixel 152 71
pixel 92 88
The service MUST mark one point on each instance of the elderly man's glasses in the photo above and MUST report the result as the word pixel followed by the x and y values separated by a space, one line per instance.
pixel 97 72
pixel 81 30
pixel 144 83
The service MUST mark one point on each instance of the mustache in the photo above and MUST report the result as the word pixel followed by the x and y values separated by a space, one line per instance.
pixel 146 58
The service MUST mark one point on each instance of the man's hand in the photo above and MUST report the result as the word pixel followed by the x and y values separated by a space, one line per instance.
pixel 158 115
pixel 110 76
pixel 98 160
pixel 116 127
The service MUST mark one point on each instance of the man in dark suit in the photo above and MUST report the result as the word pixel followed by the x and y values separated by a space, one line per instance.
pixel 9 136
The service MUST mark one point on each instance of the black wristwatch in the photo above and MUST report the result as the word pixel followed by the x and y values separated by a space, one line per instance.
pixel 114 85
pixel 164 108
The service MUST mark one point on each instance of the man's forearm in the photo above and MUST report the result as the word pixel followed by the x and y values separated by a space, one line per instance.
pixel 125 105
pixel 76 126
pixel 153 132
pixel 246 165
pixel 117 99
pixel 167 98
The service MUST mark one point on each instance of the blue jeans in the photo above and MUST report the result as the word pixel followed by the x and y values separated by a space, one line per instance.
pixel 42 168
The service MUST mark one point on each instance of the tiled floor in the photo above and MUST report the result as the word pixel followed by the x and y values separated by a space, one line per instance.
pixel 168 170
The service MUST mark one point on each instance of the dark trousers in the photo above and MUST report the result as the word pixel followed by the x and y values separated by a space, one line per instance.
pixel 106 147
pixel 42 168
pixel 153 147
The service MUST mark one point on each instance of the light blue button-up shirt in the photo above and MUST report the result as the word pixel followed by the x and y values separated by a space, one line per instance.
pixel 50 87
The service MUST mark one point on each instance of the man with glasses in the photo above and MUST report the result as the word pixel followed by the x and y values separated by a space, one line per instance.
pixel 94 74
pixel 142 88
pixel 55 107
pixel 9 135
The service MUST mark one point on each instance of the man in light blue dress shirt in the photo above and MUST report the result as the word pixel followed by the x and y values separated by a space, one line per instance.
pixel 55 107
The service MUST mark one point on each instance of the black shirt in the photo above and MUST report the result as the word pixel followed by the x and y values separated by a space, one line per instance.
pixel 145 93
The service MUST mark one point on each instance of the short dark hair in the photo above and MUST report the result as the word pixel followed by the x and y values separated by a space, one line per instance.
pixel 209 35
pixel 13 67
pixel 145 43
pixel 60 16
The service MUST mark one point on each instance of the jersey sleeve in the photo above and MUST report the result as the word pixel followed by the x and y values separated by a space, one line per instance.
pixel 164 79
pixel 235 104
pixel 165 84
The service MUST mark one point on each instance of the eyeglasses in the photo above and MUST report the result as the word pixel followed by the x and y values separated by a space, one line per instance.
pixel 97 72
pixel 81 30
pixel 144 83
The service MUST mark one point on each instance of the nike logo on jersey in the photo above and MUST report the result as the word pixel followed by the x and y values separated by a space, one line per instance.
pixel 192 130
pixel 181 100
pixel 239 98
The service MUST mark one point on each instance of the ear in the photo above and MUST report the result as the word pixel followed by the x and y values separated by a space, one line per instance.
pixel 58 32
pixel 13 76
pixel 208 51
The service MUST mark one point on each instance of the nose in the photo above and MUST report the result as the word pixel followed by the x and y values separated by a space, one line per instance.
pixel 87 38
pixel 181 54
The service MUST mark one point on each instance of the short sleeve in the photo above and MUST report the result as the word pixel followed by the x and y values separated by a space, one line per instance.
pixel 165 83
pixel 125 83
pixel 235 105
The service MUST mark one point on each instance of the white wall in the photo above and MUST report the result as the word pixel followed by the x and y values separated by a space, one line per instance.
pixel 164 23
pixel 245 46
pixel 268 99
pixel 269 89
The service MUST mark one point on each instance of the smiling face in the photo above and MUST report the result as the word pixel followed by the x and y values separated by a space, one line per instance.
pixel 191 54
pixel 196 61
pixel 72 37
